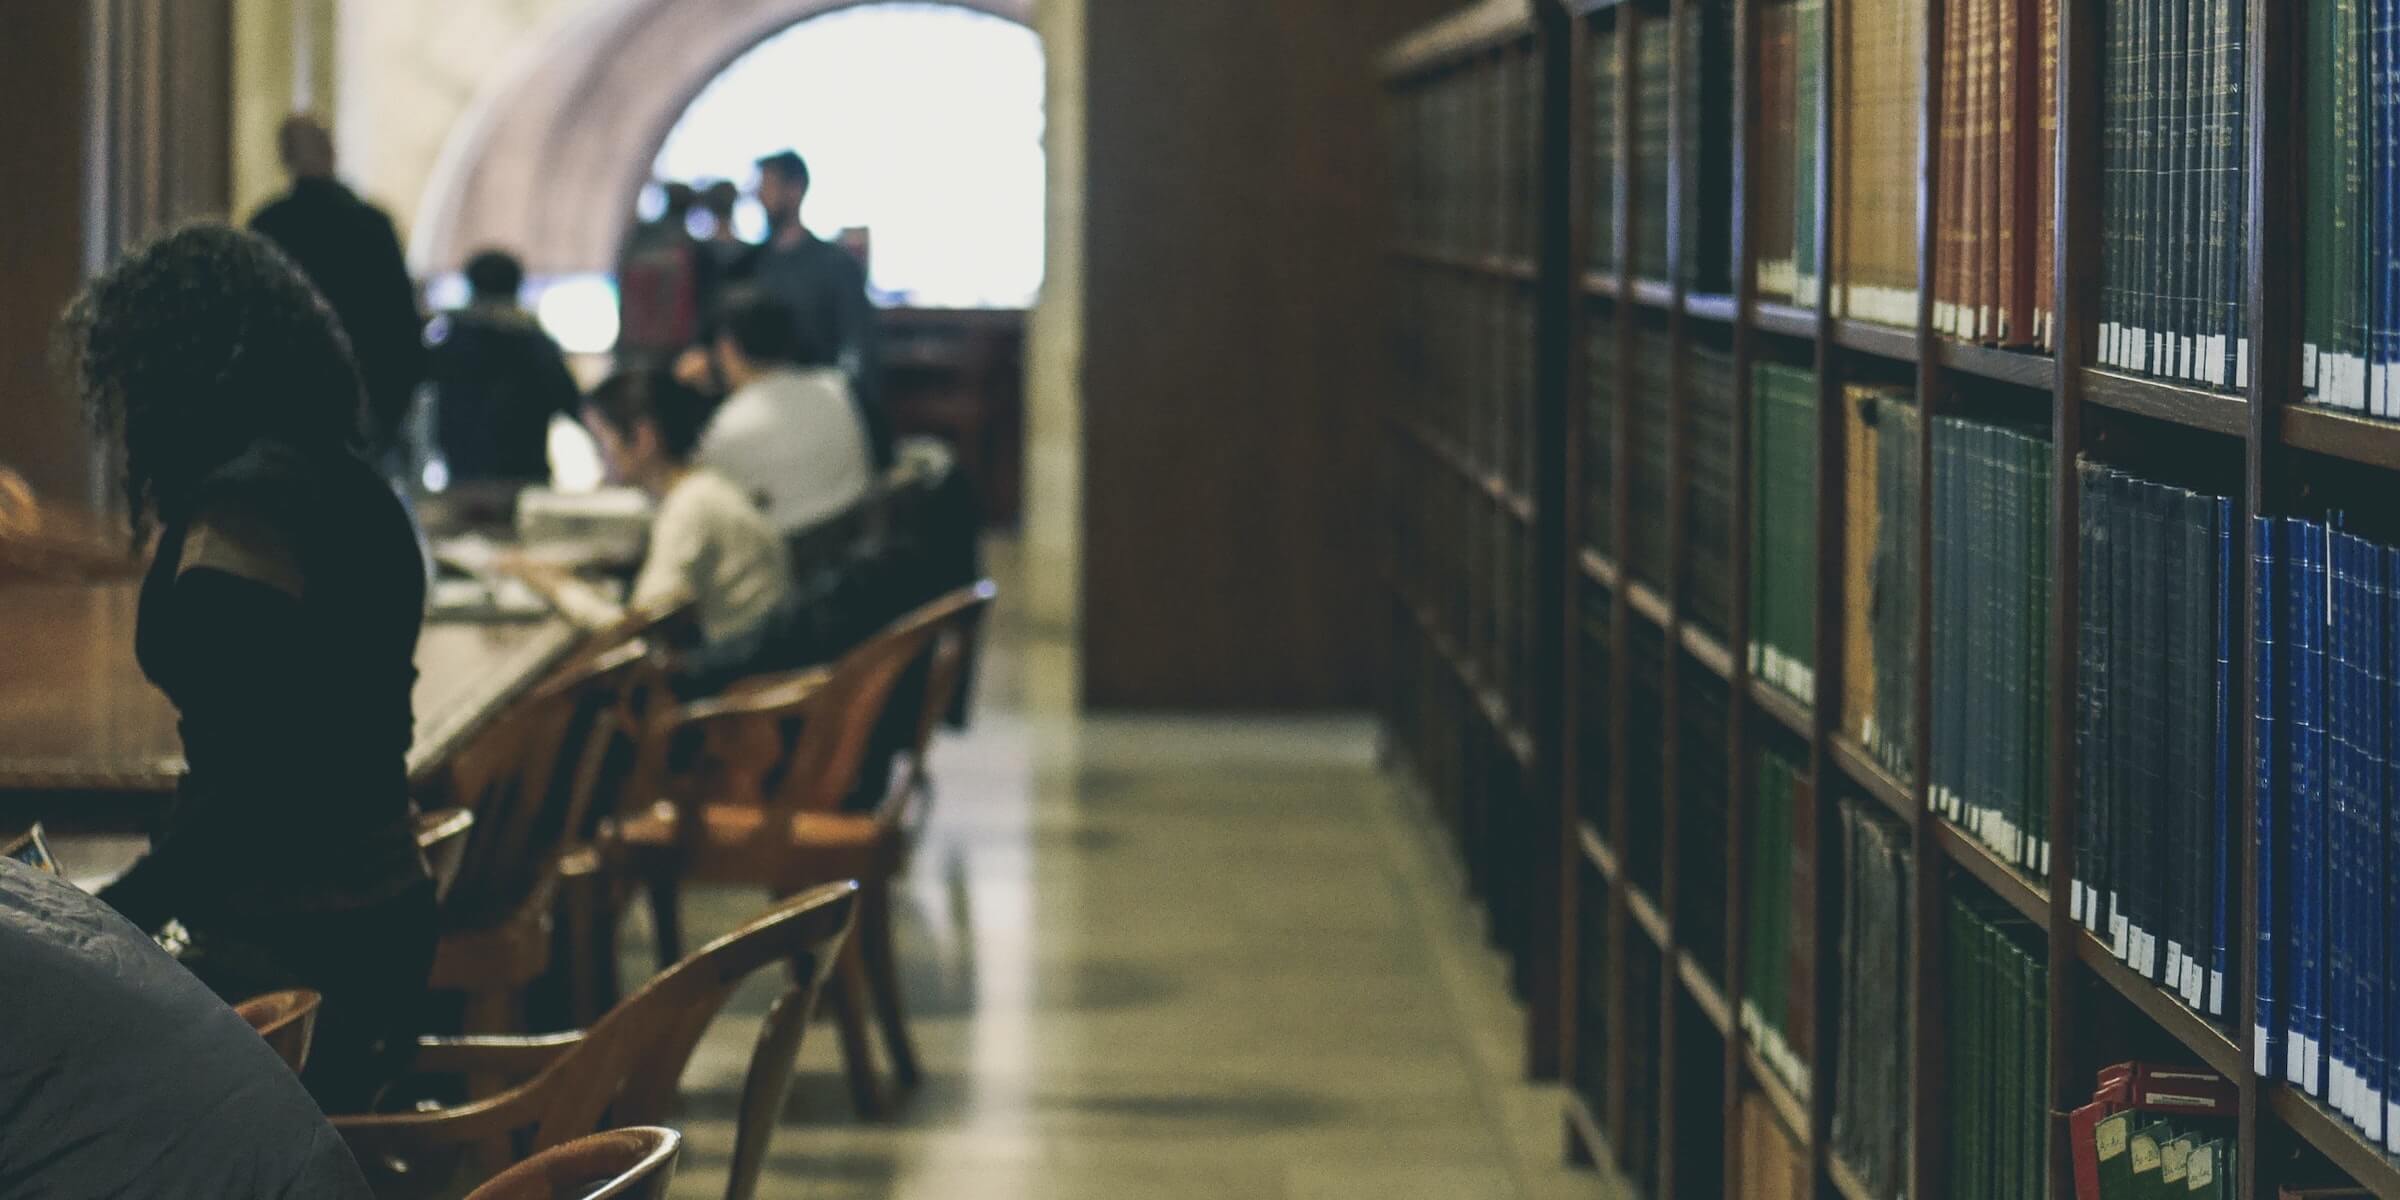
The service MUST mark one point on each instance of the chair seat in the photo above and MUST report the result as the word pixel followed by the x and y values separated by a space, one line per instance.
pixel 732 844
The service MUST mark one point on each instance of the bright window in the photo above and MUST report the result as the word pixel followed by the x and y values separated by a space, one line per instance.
pixel 920 122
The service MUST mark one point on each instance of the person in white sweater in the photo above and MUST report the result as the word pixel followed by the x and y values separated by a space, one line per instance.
pixel 788 433
pixel 708 541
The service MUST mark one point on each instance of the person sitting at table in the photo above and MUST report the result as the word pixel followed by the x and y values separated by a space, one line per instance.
pixel 787 433
pixel 280 615
pixel 708 541
pixel 121 1075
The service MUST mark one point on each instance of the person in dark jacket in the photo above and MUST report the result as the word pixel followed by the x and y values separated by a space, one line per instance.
pixel 825 288
pixel 279 614
pixel 496 379
pixel 122 1075
pixel 349 250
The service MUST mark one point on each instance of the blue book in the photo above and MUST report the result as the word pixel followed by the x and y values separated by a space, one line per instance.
pixel 2306 541
pixel 2388 663
pixel 2369 750
pixel 2337 801
pixel 2268 1027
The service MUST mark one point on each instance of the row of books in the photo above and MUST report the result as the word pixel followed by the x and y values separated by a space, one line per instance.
pixel 1703 703
pixel 1600 434
pixel 1998 1037
pixel 1708 484
pixel 1991 645
pixel 1466 566
pixel 2155 730
pixel 2175 219
pixel 1650 407
pixel 2153 1130
pixel 2327 737
pixel 1871 1104
pixel 2350 323
pixel 1467 156
pixel 1882 487
pixel 1465 350
pixel 1778 946
pixel 1791 90
pixel 1644 850
pixel 1995 224
pixel 1783 535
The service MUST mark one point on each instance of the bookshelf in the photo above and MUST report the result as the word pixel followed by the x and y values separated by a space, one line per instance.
pixel 1615 868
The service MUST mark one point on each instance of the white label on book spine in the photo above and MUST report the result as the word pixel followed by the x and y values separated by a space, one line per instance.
pixel 2241 359
pixel 2195 984
pixel 2293 1055
pixel 2308 365
pixel 2258 1052
pixel 2377 379
pixel 2174 975
pixel 2108 343
pixel 2391 1125
pixel 2075 901
pixel 2183 353
pixel 2216 993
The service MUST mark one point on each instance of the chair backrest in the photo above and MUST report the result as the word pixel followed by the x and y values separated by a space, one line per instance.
pixel 529 781
pixel 287 1020
pixel 627 1065
pixel 844 713
pixel 622 1164
pixel 442 838
pixel 945 667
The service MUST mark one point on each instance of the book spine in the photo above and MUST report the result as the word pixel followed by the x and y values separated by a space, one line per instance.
pixel 2267 1027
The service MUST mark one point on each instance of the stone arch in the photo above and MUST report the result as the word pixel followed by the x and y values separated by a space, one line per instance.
pixel 545 159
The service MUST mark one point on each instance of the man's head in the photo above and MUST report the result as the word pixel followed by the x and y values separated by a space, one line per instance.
pixel 495 275
pixel 306 147
pixel 782 185
pixel 757 332
pixel 719 198
pixel 645 424
pixel 680 199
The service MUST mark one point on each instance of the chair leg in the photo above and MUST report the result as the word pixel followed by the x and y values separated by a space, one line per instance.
pixel 850 1017
pixel 874 934
pixel 764 1088
pixel 590 947
pixel 666 915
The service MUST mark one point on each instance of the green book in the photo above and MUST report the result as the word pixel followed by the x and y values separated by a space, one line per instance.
pixel 1811 89
pixel 2209 1176
pixel 2148 1158
pixel 2174 1162
pixel 2113 1146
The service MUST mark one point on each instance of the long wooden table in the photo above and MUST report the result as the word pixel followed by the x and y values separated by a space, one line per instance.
pixel 86 743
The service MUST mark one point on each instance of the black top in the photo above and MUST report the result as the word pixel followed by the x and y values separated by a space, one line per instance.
pixel 123 1075
pixel 497 380
pixel 350 251
pixel 282 621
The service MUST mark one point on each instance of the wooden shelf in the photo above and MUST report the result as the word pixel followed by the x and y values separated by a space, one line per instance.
pixel 1597 568
pixel 1494 488
pixel 1600 283
pixel 1704 993
pixel 1871 778
pixel 1711 306
pixel 1498 266
pixel 1596 850
pixel 1788 1107
pixel 1882 341
pixel 1645 914
pixel 1845 1181
pixel 1790 713
pixel 1642 599
pixel 1489 701
pixel 1998 877
pixel 1474 29
pixel 2201 1038
pixel 1707 651
pixel 2338 434
pixel 2189 407
pixel 2333 1137
pixel 2005 366
pixel 1785 319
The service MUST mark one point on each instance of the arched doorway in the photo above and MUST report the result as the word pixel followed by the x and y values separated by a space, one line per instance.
pixel 544 159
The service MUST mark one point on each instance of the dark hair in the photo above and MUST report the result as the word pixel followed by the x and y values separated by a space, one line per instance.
pixel 680 198
pixel 627 399
pixel 495 273
pixel 767 330
pixel 787 164
pixel 720 197
pixel 196 348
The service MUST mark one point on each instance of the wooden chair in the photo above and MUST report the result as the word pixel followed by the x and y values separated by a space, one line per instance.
pixel 287 1020
pixel 529 780
pixel 759 815
pixel 622 1164
pixel 624 1069
pixel 442 838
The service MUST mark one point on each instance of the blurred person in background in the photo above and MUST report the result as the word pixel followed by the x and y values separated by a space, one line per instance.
pixel 788 433
pixel 824 289
pixel 350 251
pixel 663 279
pixel 496 379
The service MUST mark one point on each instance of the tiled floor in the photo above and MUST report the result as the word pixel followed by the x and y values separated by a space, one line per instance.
pixel 1162 958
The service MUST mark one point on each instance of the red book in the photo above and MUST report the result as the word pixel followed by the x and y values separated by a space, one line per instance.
pixel 2081 1126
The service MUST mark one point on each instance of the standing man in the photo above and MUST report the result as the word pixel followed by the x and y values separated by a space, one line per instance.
pixel 497 380
pixel 662 285
pixel 350 251
pixel 824 287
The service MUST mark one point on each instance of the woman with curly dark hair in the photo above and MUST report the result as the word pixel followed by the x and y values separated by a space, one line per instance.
pixel 280 614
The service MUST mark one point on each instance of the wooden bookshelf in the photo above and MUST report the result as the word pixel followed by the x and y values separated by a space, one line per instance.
pixel 1586 585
